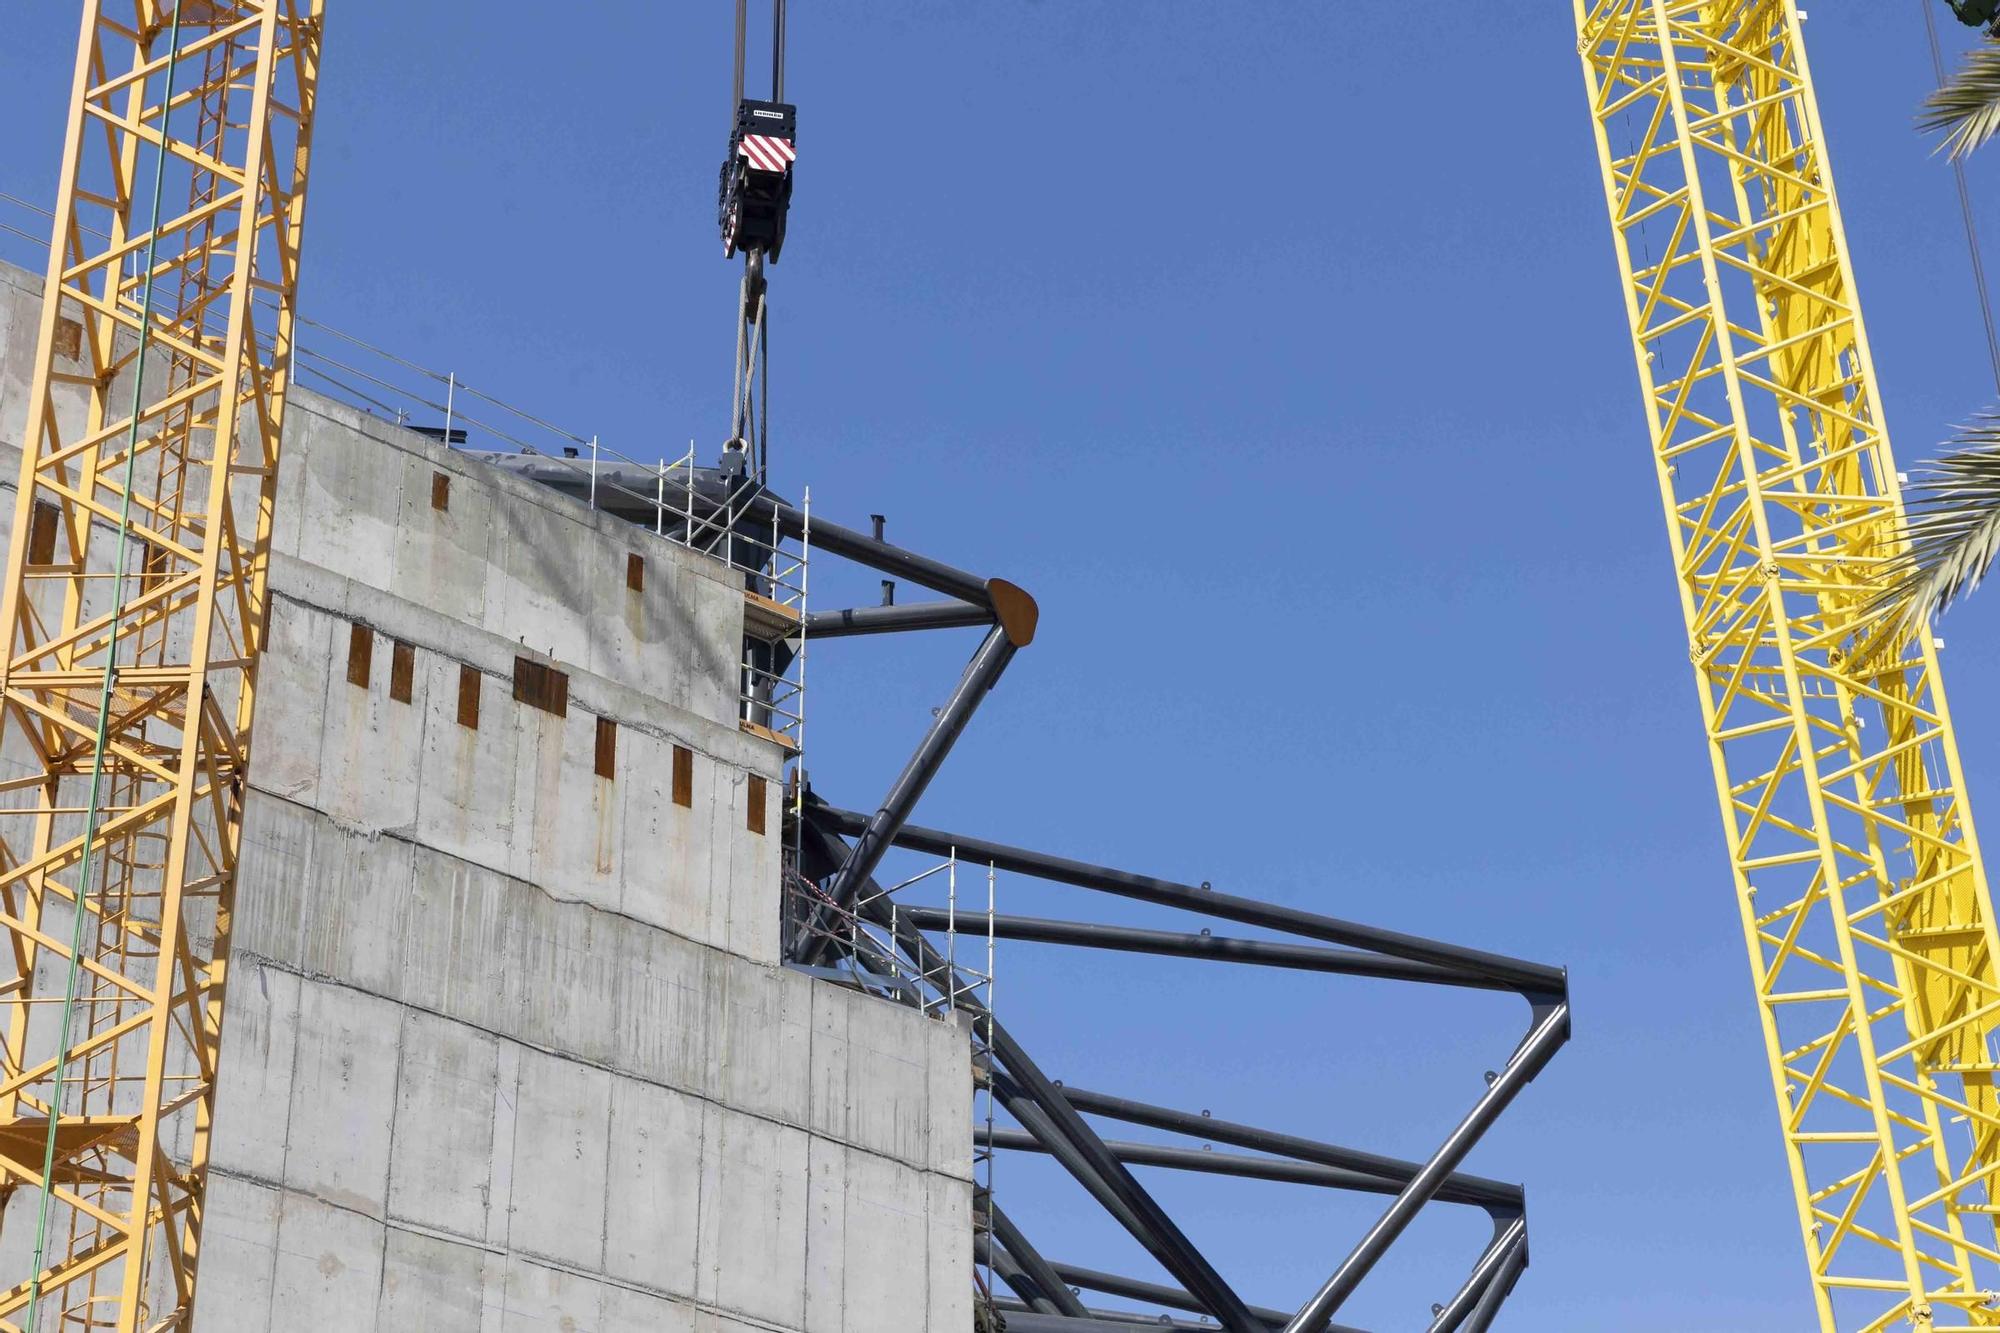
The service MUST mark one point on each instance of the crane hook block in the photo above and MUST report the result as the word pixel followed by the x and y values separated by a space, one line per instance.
pixel 756 187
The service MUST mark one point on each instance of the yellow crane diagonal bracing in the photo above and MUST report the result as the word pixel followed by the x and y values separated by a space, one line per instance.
pixel 135 613
pixel 1863 900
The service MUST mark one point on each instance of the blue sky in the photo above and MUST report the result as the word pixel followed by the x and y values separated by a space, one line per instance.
pixel 1277 349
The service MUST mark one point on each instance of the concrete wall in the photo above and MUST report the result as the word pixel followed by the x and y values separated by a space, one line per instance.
pixel 507 1046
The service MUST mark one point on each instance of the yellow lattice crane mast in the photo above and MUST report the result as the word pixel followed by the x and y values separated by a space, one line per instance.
pixel 1863 900
pixel 135 615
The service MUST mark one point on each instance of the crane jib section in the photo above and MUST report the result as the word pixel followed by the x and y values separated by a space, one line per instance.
pixel 1863 902
pixel 135 614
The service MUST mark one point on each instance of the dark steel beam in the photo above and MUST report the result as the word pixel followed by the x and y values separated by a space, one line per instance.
pixel 1457 1187
pixel 879 829
pixel 1099 1321
pixel 1111 1284
pixel 1550 1031
pixel 1182 944
pixel 1043 1134
pixel 1142 1218
pixel 1046 1292
pixel 1498 1290
pixel 1535 979
pixel 1123 1320
pixel 1240 1165
pixel 894 619
pixel 873 552
pixel 1506 1234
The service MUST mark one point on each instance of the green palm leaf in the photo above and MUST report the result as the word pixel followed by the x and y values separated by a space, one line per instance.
pixel 1967 108
pixel 1952 532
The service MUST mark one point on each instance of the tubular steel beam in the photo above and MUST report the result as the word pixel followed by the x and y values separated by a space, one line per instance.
pixel 1550 1031
pixel 1185 944
pixel 1534 979
pixel 1506 1235
pixel 1111 1284
pixel 876 553
pixel 1046 1292
pixel 1239 1165
pixel 1488 1309
pixel 894 619
pixel 1098 1170
pixel 1457 1187
pixel 1125 1321
pixel 1098 1321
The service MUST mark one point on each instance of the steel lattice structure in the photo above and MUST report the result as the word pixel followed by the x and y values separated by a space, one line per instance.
pixel 135 614
pixel 1864 904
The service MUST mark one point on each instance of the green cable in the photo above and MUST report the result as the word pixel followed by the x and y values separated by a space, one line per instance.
pixel 104 696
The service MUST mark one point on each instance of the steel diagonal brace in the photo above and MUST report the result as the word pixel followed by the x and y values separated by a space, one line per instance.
pixel 1508 1234
pixel 1039 1105
pixel 1033 1279
pixel 1014 630
pixel 1487 1310
pixel 1550 1031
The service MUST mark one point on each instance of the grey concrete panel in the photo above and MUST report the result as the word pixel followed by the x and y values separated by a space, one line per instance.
pixel 239 1255
pixel 433 1285
pixel 540 1299
pixel 440 1163
pixel 654 1198
pixel 753 1217
pixel 343 1097
pixel 329 1267
pixel 627 1311
pixel 870 1075
pixel 560 1145
pixel 762 1034
pixel 254 1086
pixel 948 1252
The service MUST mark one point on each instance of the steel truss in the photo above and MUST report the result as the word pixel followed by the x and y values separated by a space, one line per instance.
pixel 135 615
pixel 1051 1114
pixel 1864 904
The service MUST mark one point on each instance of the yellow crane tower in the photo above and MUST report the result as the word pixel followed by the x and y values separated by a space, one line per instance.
pixel 134 612
pixel 1864 904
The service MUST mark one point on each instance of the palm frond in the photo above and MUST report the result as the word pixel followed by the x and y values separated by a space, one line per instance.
pixel 1967 108
pixel 1951 533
